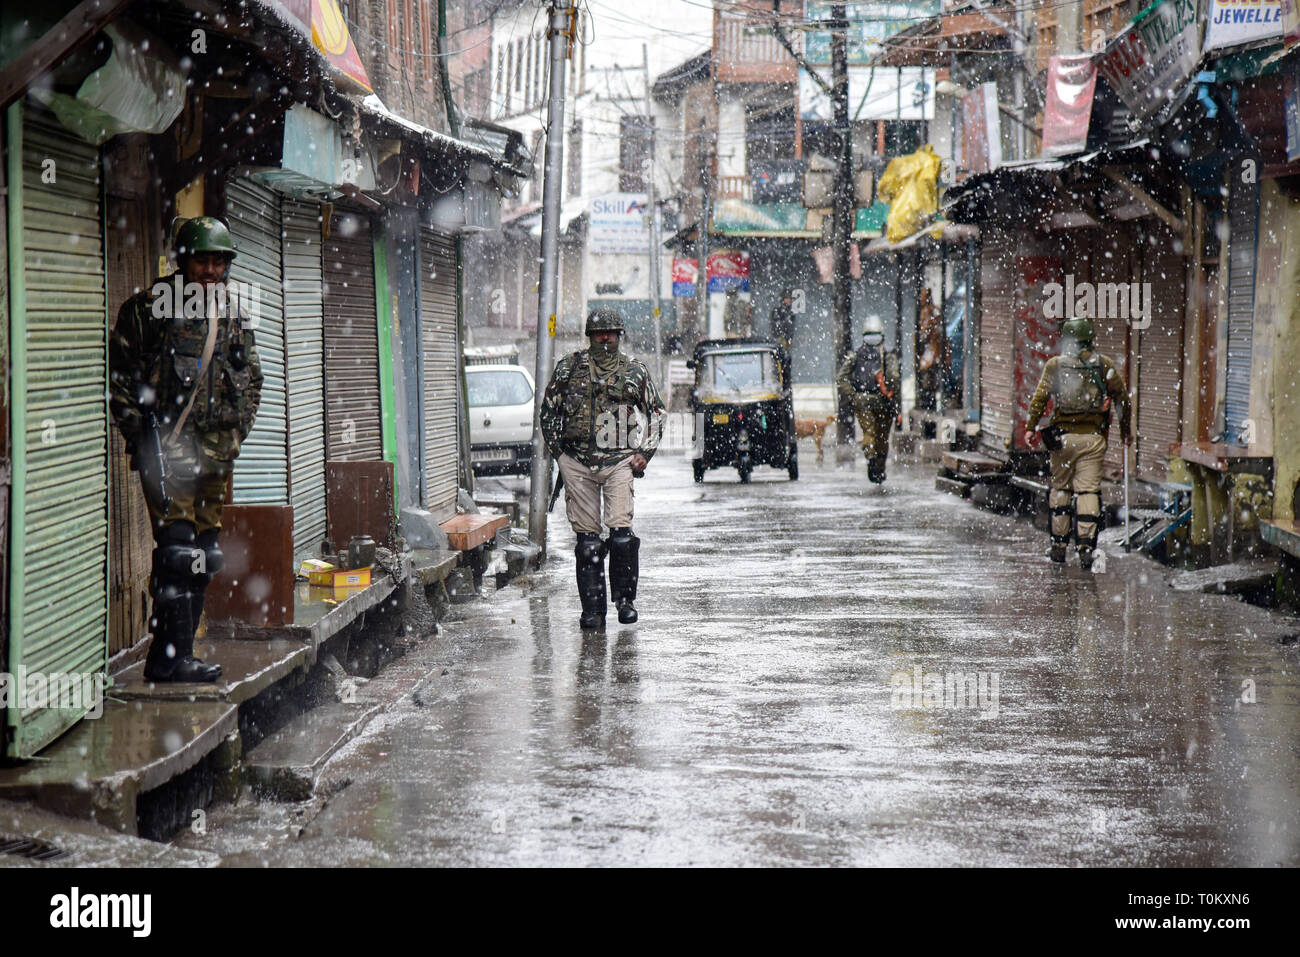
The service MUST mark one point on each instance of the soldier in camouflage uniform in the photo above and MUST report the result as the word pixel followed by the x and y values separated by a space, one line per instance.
pixel 203 411
pixel 1084 386
pixel 602 419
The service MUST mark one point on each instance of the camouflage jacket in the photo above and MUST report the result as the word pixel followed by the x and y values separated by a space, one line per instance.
pixel 600 421
pixel 156 357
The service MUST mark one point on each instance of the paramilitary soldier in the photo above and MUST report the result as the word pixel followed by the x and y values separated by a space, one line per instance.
pixel 602 419
pixel 185 381
pixel 870 379
pixel 1084 387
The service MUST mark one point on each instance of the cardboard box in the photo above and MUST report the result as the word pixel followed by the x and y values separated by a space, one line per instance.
pixel 341 578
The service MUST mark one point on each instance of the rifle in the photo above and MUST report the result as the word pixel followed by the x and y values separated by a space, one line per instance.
pixel 555 492
pixel 152 463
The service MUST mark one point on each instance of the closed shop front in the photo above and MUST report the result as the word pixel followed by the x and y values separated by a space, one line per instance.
pixel 439 348
pixel 1160 355
pixel 1243 225
pixel 353 415
pixel 996 346
pixel 305 356
pixel 262 471
pixel 58 584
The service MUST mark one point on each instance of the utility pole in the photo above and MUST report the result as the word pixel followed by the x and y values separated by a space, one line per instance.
pixel 702 240
pixel 842 215
pixel 558 33
pixel 653 204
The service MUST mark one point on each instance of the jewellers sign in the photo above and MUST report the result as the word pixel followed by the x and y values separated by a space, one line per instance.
pixel 1149 63
pixel 1234 22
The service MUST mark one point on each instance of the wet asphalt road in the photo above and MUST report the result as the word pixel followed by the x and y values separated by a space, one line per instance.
pixel 759 714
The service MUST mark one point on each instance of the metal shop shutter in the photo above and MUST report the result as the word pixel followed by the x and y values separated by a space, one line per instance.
pixel 997 287
pixel 1160 354
pixel 304 311
pixel 353 430
pixel 262 471
pixel 438 353
pixel 1243 226
pixel 59 585
pixel 1113 260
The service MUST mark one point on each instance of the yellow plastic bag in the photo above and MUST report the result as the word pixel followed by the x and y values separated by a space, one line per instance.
pixel 911 188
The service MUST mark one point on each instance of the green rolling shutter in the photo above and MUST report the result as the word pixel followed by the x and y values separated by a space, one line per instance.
pixel 59 560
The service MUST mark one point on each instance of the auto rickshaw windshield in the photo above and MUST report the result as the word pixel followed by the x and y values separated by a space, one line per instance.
pixel 739 372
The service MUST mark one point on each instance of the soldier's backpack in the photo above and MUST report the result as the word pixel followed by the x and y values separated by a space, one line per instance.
pixel 1081 387
pixel 869 362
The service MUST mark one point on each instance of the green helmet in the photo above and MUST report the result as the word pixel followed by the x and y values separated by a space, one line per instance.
pixel 604 319
pixel 204 234
pixel 1080 329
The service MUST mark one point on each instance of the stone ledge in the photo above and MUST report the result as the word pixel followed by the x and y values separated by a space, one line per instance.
pixel 100 767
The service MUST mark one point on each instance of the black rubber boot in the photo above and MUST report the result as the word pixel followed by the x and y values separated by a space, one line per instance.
pixel 1088 545
pixel 624 569
pixel 1060 543
pixel 171 653
pixel 590 555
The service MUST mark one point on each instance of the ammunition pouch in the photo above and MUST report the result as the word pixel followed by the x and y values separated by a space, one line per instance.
pixel 1052 438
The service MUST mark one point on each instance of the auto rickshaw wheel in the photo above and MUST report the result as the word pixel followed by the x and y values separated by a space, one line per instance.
pixel 697 467
pixel 792 465
pixel 745 473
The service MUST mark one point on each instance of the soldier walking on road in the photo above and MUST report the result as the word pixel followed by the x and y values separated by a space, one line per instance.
pixel 185 384
pixel 1083 386
pixel 870 379
pixel 602 420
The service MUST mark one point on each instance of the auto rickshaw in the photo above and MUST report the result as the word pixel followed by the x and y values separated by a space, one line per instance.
pixel 744 405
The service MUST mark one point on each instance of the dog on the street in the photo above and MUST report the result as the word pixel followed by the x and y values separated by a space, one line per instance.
pixel 814 429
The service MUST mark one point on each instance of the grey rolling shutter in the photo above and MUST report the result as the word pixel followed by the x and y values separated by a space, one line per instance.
pixel 1243 220
pixel 304 339
pixel 1114 260
pixel 1160 385
pixel 353 431
pixel 438 352
pixel 262 471
pixel 996 355
pixel 59 614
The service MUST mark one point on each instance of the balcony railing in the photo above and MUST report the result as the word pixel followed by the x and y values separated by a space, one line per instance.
pixel 747 51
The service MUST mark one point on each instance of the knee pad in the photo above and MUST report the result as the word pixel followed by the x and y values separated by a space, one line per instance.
pixel 590 550
pixel 621 536
pixel 214 558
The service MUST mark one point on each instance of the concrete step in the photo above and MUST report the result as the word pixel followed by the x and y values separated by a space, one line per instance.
pixel 287 765
pixel 99 768
pixel 1230 579
pixel 247 669
pixel 952 486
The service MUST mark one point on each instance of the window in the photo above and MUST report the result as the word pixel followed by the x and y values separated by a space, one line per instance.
pixel 497 387
pixel 633 153
pixel 575 159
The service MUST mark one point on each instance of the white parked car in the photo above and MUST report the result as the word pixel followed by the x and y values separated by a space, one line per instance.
pixel 500 419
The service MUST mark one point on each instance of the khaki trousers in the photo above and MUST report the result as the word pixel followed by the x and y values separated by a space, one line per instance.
pixel 875 421
pixel 1076 469
pixel 584 487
